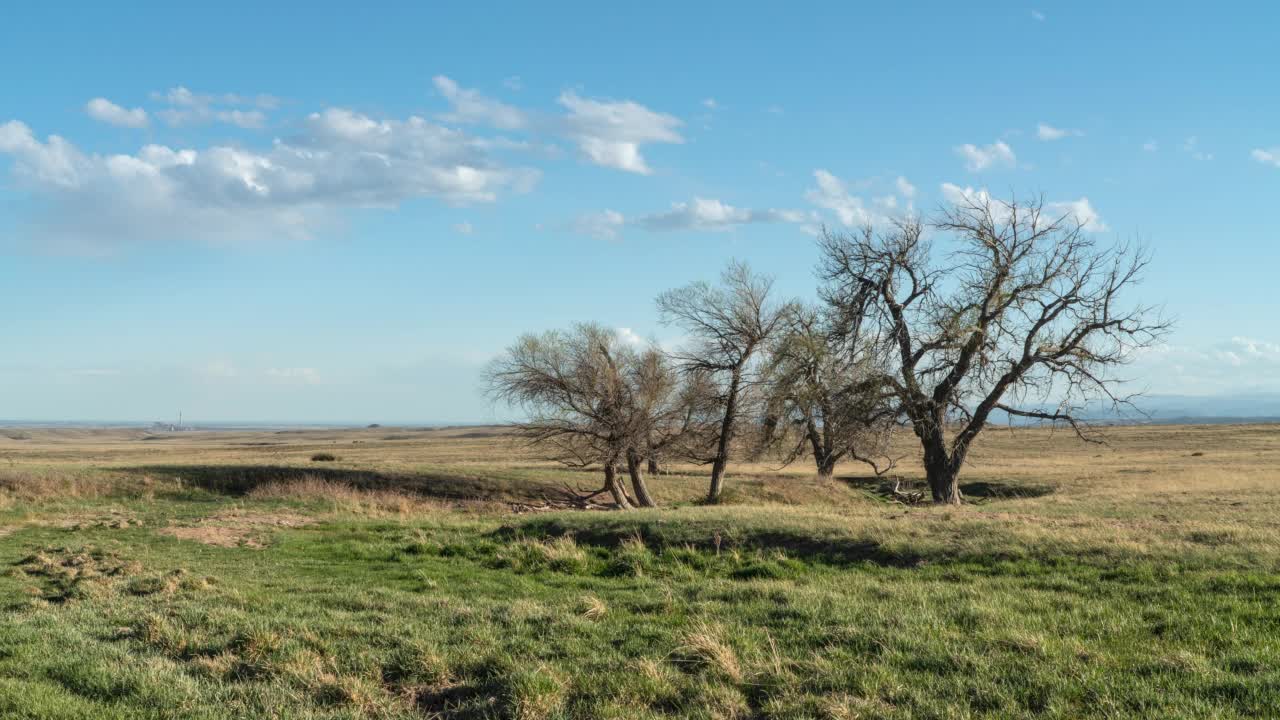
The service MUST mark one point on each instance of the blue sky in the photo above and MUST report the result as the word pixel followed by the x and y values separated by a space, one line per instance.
pixel 313 212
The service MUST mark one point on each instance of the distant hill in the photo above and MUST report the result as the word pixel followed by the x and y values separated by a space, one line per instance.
pixel 1252 406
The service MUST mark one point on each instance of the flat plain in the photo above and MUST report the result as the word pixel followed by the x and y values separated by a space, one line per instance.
pixel 431 573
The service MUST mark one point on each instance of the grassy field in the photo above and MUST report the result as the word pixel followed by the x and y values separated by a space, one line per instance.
pixel 227 575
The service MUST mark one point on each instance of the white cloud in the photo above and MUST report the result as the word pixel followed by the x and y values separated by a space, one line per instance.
pixel 1191 146
pixel 191 108
pixel 905 189
pixel 1150 146
pixel 609 133
pixel 833 195
pixel 341 159
pixel 1081 210
pixel 464 228
pixel 955 194
pixel 710 103
pixel 249 119
pixel 1269 156
pixel 997 154
pixel 699 215
pixel 1238 364
pixel 627 336
pixel 1045 131
pixel 603 225
pixel 103 110
pixel 714 215
pixel 469 106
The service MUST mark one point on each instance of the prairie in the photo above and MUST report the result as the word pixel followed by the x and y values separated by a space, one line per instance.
pixel 421 573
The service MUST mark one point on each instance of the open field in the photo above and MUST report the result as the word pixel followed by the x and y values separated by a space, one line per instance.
pixel 220 575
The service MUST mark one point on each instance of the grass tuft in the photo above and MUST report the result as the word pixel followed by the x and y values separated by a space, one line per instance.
pixel 703 646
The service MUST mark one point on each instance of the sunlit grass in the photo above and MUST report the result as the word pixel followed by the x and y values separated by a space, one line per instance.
pixel 1136 581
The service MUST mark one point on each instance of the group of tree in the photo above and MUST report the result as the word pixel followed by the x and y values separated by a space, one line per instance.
pixel 1021 317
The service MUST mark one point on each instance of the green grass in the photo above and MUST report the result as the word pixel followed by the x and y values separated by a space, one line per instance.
pixel 396 583
pixel 691 612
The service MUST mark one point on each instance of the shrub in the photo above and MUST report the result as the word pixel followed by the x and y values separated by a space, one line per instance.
pixel 323 457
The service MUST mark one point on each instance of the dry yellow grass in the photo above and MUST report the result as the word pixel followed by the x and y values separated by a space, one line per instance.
pixel 1151 485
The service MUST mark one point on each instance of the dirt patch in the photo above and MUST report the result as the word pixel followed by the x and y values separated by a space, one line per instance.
pixel 237 528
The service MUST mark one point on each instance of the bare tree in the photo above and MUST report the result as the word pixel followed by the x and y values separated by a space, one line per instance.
pixel 655 410
pixel 728 325
pixel 590 400
pixel 1024 317
pixel 827 397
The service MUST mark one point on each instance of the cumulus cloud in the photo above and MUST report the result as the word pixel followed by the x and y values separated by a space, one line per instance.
pixel 337 159
pixel 103 110
pixel 1270 156
pixel 603 225
pixel 714 215
pixel 340 159
pixel 1081 210
pixel 1045 131
pixel 185 107
pixel 610 133
pixel 469 106
pixel 977 159
pixel 832 194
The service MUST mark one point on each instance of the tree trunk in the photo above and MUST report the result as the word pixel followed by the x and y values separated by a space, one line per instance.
pixel 726 436
pixel 716 489
pixel 942 470
pixel 826 469
pixel 654 466
pixel 635 469
pixel 944 485
pixel 821 458
pixel 618 492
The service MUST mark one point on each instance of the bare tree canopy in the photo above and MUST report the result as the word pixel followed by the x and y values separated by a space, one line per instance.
pixel 592 399
pixel 728 325
pixel 826 395
pixel 1024 317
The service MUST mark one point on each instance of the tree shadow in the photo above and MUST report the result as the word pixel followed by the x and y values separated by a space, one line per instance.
pixel 984 490
pixel 798 544
pixel 237 480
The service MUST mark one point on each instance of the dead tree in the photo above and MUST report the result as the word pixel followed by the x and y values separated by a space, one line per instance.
pixel 728 325
pixel 588 398
pixel 1023 317
pixel 826 396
